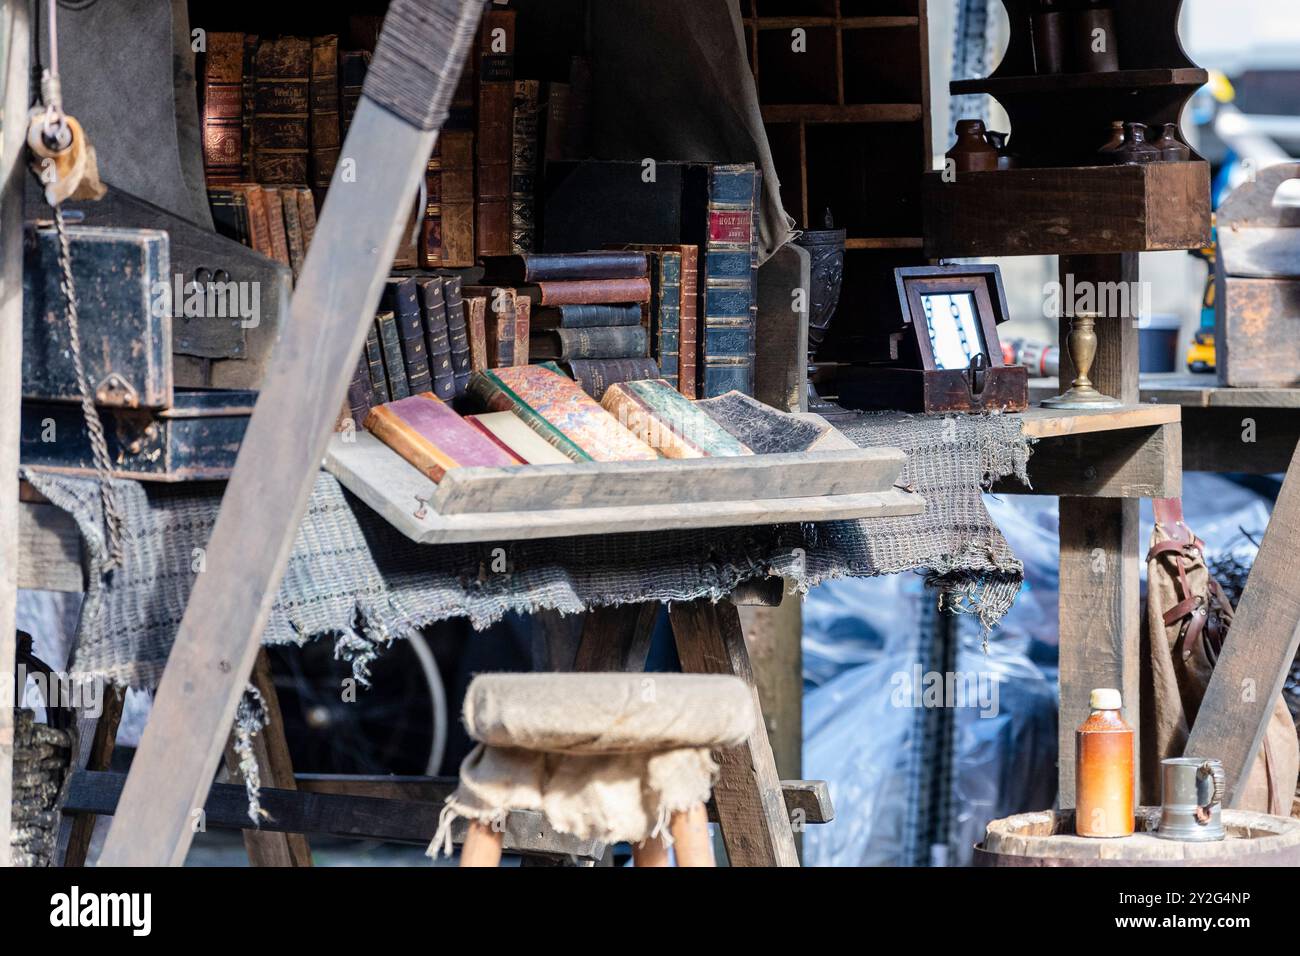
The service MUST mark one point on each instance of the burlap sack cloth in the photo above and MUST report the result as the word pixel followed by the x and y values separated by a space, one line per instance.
pixel 606 757
pixel 1187 620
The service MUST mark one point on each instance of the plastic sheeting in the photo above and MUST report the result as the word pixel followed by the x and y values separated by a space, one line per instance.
pixel 860 635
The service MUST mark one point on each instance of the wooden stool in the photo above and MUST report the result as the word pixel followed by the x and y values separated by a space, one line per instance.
pixel 608 757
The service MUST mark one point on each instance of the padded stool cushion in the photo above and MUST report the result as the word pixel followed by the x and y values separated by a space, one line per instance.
pixel 607 757
pixel 608 713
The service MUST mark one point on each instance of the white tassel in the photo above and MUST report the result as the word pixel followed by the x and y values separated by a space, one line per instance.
pixel 442 839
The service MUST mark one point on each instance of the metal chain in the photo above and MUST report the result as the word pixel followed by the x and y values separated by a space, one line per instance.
pixel 98 444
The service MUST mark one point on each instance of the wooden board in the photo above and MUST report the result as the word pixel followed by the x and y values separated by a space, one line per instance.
pixel 15 35
pixel 592 484
pixel 359 231
pixel 1143 462
pixel 398 492
pixel 1253 665
pixel 1100 604
pixel 1190 390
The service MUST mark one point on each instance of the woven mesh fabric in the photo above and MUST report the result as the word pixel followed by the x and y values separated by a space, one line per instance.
pixel 354 578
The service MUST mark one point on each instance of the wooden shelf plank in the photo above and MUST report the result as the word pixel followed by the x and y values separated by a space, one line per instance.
pixel 884 242
pixel 845 23
pixel 848 113
pixel 1056 422
pixel 1082 82
pixel 1190 390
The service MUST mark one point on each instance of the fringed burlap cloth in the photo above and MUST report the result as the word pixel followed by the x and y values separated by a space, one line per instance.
pixel 353 578
pixel 606 757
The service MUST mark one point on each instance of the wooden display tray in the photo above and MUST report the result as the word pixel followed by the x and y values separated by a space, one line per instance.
pixel 566 500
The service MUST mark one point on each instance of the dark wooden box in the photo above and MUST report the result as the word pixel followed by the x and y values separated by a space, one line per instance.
pixel 1006 389
pixel 1074 210
pixel 196 439
pixel 121 277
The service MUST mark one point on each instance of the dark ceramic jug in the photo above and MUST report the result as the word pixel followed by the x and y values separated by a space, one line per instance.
pixel 972 151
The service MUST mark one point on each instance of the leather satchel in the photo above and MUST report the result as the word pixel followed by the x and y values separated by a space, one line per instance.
pixel 1187 620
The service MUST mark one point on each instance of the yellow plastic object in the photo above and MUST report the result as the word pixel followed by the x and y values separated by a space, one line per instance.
pixel 1200 357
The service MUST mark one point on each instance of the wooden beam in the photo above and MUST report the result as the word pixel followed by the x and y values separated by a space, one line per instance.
pixel 15 34
pixel 354 817
pixel 1253 665
pixel 1100 606
pixel 361 224
pixel 616 638
pixel 751 809
pixel 810 798
pixel 1132 463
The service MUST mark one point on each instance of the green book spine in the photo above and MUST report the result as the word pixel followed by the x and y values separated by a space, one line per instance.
pixel 497 396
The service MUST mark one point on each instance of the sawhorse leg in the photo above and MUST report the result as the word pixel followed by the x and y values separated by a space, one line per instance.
pixel 275 768
pixel 751 807
pixel 97 735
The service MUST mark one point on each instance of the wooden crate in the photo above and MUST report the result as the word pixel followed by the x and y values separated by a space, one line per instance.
pixel 1257 302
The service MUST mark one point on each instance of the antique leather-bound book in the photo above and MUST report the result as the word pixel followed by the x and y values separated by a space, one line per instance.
pixel 718 216
pixel 667 421
pixel 456 150
pixel 352 76
pixel 229 208
pixel 390 343
pixel 596 375
pixel 259 225
pixel 430 247
pixel 499 322
pixel 523 330
pixel 476 307
pixel 762 428
pixel 457 331
pixel 293 230
pixel 223 135
pixel 306 216
pixel 559 411
pixel 401 297
pixel 520 440
pixel 496 76
pixel 564 266
pixel 280 111
pixel 375 366
pixel 431 436
pixel 324 128
pixel 554 114
pixel 683 318
pixel 247 96
pixel 360 397
pixel 627 341
pixel 588 291
pixel 275 221
pixel 585 316
pixel 523 167
pixel 437 337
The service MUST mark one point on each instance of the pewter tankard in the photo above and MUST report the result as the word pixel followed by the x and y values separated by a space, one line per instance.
pixel 1191 799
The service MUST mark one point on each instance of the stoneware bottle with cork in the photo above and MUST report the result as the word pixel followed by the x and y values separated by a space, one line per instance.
pixel 1103 769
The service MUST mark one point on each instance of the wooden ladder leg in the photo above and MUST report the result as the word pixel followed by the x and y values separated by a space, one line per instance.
pixel 271 748
pixel 751 807
pixel 616 638
pixel 653 852
pixel 482 846
pixel 97 736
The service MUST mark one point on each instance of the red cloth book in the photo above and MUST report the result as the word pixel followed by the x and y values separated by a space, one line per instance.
pixel 432 437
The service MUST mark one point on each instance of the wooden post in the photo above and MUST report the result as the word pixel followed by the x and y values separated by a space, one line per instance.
pixel 652 853
pixel 1257 656
pixel 421 52
pixel 15 37
pixel 751 806
pixel 98 737
pixel 1100 607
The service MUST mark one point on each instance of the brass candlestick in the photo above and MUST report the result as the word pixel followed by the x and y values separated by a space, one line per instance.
pixel 1082 345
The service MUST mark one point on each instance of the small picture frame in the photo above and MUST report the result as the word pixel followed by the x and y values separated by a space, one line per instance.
pixel 953 313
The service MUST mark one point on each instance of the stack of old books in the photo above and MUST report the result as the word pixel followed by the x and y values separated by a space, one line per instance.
pixel 594 313
pixel 419 342
pixel 537 415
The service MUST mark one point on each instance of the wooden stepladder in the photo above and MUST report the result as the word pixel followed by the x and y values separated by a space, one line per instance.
pixel 419 58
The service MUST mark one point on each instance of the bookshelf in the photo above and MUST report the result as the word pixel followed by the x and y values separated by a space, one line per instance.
pixel 847 120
